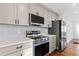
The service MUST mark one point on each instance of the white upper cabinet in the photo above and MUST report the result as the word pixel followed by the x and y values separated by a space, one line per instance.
pixel 53 17
pixel 18 13
pixel 47 16
pixel 11 13
pixel 49 19
pixel 36 9
pixel 23 13
pixel 7 13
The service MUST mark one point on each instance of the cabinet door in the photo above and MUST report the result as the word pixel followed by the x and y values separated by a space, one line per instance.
pixel 50 19
pixel 53 17
pixel 47 16
pixel 36 9
pixel 46 19
pixel 23 15
pixel 52 43
pixel 28 52
pixel 17 53
pixel 8 13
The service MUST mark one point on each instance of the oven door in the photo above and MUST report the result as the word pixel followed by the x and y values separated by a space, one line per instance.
pixel 42 49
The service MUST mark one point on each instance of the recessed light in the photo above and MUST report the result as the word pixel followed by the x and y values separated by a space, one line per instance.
pixel 74 4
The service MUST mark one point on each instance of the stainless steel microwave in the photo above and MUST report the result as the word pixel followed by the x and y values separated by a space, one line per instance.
pixel 35 19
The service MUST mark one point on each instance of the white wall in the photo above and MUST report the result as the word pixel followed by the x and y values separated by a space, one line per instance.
pixel 72 29
pixel 76 29
pixel 11 33
pixel 69 30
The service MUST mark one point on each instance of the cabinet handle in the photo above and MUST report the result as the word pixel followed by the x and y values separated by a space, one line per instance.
pixel 52 42
pixel 21 54
pixel 19 47
pixel 37 13
pixel 16 21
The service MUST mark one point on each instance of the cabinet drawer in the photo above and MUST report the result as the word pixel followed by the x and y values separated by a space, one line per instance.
pixel 13 48
pixel 52 44
pixel 17 53
pixel 8 49
pixel 52 39
pixel 25 45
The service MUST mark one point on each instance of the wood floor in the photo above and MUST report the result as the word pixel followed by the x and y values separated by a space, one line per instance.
pixel 71 50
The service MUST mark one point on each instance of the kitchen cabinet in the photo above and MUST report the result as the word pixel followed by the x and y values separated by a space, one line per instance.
pixel 53 17
pixel 7 50
pixel 43 12
pixel 27 49
pixel 39 10
pixel 49 19
pixel 18 13
pixel 28 52
pixel 17 53
pixel 47 16
pixel 23 13
pixel 8 13
pixel 18 49
pixel 25 52
pixel 52 43
pixel 36 9
pixel 14 13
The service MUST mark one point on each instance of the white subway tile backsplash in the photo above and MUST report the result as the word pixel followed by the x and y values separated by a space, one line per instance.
pixel 10 33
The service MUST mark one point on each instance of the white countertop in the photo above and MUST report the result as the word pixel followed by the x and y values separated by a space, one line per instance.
pixel 15 41
pixel 9 43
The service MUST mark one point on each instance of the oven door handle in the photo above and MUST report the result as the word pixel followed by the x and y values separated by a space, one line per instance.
pixel 41 43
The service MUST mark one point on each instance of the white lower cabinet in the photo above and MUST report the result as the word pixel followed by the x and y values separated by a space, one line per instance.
pixel 24 52
pixel 18 53
pixel 19 49
pixel 52 43
pixel 27 52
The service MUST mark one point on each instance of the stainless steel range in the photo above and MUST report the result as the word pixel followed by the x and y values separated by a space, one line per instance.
pixel 41 43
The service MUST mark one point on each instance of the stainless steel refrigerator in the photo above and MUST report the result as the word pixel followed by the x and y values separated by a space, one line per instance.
pixel 59 29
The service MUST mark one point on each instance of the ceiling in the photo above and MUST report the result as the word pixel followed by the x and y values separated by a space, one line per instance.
pixel 69 11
